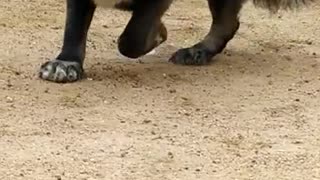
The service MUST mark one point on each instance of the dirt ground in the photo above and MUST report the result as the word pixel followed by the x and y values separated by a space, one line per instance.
pixel 254 113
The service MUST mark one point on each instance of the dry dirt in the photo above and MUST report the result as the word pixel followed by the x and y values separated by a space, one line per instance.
pixel 254 113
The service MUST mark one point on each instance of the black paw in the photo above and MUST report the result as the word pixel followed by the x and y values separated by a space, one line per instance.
pixel 191 56
pixel 61 71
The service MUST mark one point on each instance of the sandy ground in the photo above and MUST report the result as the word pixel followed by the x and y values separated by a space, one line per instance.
pixel 252 114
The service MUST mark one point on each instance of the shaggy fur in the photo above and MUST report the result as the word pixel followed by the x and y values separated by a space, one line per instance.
pixel 276 5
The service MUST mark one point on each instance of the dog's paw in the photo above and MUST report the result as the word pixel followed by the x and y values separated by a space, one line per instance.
pixel 61 71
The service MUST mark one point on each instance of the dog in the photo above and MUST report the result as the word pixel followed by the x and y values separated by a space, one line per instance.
pixel 145 31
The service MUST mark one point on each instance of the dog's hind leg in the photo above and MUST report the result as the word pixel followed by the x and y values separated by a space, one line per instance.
pixel 224 26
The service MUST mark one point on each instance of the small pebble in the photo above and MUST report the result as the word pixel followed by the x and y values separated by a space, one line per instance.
pixel 9 100
pixel 146 121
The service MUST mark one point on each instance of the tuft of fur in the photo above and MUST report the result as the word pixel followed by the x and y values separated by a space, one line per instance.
pixel 276 5
pixel 125 5
pixel 118 4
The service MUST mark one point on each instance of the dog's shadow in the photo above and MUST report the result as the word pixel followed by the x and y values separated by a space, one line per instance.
pixel 153 69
